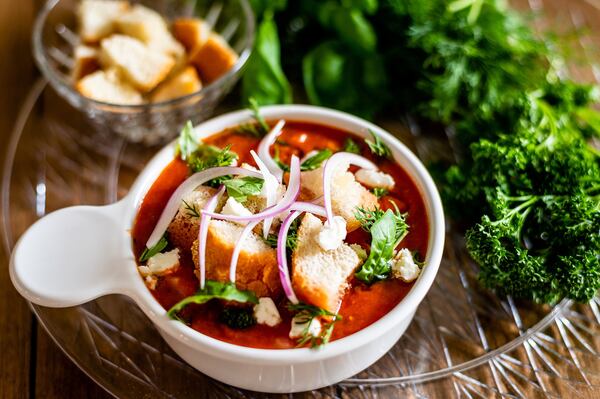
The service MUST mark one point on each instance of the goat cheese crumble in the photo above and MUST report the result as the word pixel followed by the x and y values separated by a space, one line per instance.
pixel 404 266
pixel 299 325
pixel 332 235
pixel 234 208
pixel 375 179
pixel 265 312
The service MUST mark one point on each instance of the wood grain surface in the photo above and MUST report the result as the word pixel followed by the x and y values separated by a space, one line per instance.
pixel 31 365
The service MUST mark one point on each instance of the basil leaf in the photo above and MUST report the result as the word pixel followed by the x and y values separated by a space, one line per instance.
pixel 316 160
pixel 387 230
pixel 214 290
pixel 243 187
pixel 150 252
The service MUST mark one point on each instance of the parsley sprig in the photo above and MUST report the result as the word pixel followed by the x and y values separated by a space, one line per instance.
pixel 150 252
pixel 377 146
pixel 259 128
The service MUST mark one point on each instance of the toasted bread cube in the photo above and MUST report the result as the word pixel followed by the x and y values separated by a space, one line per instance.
pixel 142 66
pixel 346 194
pixel 320 277
pixel 183 230
pixel 214 58
pixel 149 27
pixel 182 84
pixel 191 32
pixel 257 268
pixel 96 18
pixel 86 62
pixel 109 88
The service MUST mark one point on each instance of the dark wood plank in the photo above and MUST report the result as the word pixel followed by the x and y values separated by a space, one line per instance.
pixel 16 74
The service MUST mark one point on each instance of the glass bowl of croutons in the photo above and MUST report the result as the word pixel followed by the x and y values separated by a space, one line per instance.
pixel 143 68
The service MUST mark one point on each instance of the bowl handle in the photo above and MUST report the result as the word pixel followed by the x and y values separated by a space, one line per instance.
pixel 74 255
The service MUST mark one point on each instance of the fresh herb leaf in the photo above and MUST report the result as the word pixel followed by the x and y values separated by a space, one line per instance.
pixel 380 192
pixel 237 318
pixel 351 146
pixel 257 129
pixel 315 161
pixel 213 290
pixel 387 230
pixel 187 144
pixel 241 188
pixel 278 161
pixel 150 252
pixel 292 238
pixel 191 209
pixel 377 146
pixel 305 314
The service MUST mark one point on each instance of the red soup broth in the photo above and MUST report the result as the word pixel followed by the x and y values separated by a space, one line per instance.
pixel 362 305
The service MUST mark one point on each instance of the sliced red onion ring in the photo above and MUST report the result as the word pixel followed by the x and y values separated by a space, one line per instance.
pixel 331 165
pixel 284 274
pixel 270 187
pixel 185 188
pixel 238 248
pixel 211 204
pixel 292 192
pixel 265 153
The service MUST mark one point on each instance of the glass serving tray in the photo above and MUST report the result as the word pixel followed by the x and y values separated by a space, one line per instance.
pixel 463 342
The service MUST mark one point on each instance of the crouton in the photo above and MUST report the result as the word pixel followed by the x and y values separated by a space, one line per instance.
pixel 191 32
pixel 346 193
pixel 142 66
pixel 320 277
pixel 149 27
pixel 108 87
pixel 86 62
pixel 183 230
pixel 97 18
pixel 182 84
pixel 257 268
pixel 214 58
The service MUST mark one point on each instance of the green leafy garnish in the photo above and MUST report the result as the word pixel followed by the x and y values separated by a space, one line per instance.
pixel 387 229
pixel 291 240
pixel 305 315
pixel 187 144
pixel 237 318
pixel 351 146
pixel 380 192
pixel 150 252
pixel 377 146
pixel 191 209
pixel 315 161
pixel 214 290
pixel 257 129
pixel 243 187
pixel 278 161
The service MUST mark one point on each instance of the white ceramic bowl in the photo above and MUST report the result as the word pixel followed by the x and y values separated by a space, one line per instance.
pixel 80 253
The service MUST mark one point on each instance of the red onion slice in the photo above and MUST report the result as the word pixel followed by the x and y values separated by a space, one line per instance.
pixel 238 248
pixel 284 274
pixel 270 187
pixel 265 153
pixel 331 165
pixel 286 202
pixel 185 188
pixel 211 204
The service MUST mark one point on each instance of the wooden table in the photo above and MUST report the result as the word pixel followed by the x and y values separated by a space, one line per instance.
pixel 31 365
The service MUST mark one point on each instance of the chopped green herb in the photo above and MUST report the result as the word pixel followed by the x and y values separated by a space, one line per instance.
pixel 241 188
pixel 315 161
pixel 380 192
pixel 292 238
pixel 387 230
pixel 305 315
pixel 213 290
pixel 377 146
pixel 150 252
pixel 351 146
pixel 187 144
pixel 278 161
pixel 191 209
pixel 237 318
pixel 259 128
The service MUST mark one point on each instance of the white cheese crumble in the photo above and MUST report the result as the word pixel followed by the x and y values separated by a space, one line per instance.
pixel 332 235
pixel 360 251
pixel 374 179
pixel 265 312
pixel 404 266
pixel 161 263
pixel 299 325
pixel 234 208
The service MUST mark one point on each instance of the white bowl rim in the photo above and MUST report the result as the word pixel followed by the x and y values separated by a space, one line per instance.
pixel 404 309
